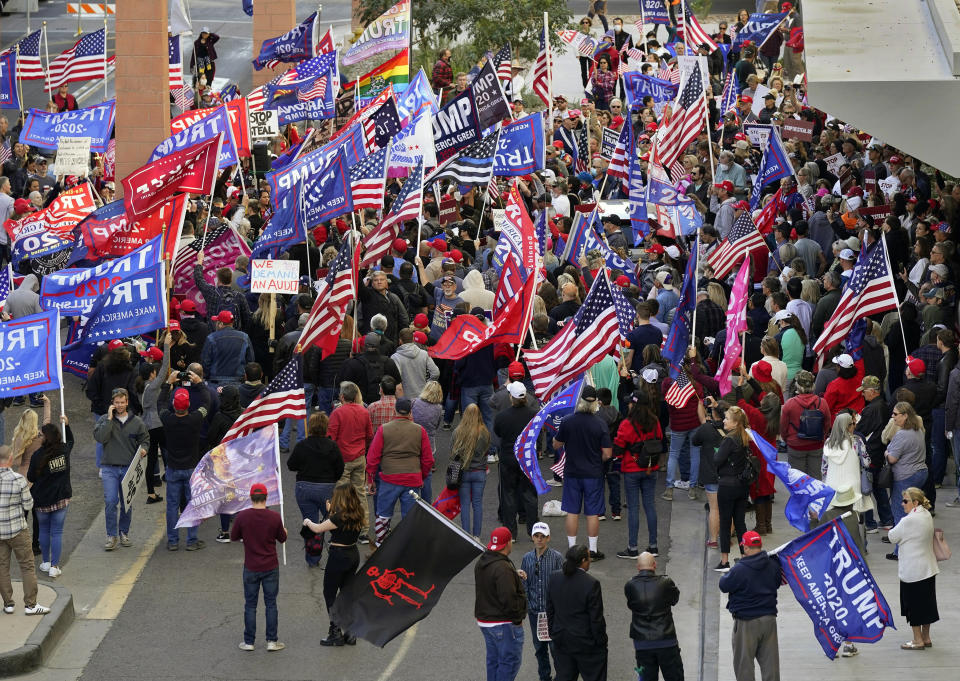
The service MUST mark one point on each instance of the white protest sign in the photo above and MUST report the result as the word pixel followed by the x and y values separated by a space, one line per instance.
pixel 274 276
pixel 889 186
pixel 264 124
pixel 686 64
pixel 73 156
pixel 833 163
pixel 131 479
pixel 499 219
pixel 757 133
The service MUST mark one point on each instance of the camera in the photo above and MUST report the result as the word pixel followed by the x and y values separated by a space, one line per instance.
pixel 183 376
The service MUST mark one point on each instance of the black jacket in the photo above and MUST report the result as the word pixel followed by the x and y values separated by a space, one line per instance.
pixel 926 396
pixel 366 371
pixel 947 362
pixel 575 612
pixel 387 304
pixel 650 597
pixel 873 418
pixel 51 482
pixel 752 585
pixel 499 592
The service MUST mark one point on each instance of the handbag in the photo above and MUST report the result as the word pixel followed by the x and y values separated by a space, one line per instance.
pixel 940 548
pixel 884 478
pixel 454 473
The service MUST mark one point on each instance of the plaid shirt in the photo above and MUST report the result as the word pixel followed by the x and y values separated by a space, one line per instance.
pixel 710 318
pixel 382 410
pixel 15 501
pixel 931 356
pixel 442 75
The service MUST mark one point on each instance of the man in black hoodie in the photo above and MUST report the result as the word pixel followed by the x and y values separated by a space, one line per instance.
pixel 752 587
pixel 182 429
pixel 500 606
pixel 873 418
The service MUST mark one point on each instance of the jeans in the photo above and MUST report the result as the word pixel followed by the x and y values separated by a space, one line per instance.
pixel 938 443
pixel 612 476
pixel 449 409
pixel 479 395
pixel 387 496
pixel 312 498
pixel 651 662
pixel 637 486
pixel 342 563
pixel 112 476
pixel 252 581
pixel 541 649
pixel 471 497
pixel 290 424
pixel 504 651
pixel 899 487
pixel 51 534
pixel 882 496
pixel 178 485
pixel 680 440
pixel 325 399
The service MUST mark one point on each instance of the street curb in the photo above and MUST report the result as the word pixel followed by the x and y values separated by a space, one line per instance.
pixel 44 638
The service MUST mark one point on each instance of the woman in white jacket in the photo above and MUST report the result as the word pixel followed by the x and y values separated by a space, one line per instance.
pixel 917 567
pixel 843 462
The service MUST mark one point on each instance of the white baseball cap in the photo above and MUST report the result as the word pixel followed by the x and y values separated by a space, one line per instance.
pixel 782 315
pixel 517 390
pixel 650 375
pixel 540 528
pixel 672 251
pixel 847 254
pixel 845 361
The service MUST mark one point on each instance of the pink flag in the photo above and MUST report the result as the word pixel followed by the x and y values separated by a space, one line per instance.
pixel 736 324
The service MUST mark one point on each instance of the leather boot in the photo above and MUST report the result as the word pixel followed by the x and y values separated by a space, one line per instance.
pixel 768 517
pixel 349 640
pixel 334 637
pixel 758 516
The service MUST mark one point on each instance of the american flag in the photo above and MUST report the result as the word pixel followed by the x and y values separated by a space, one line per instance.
pixel 633 53
pixel 176 62
pixel 493 191
pixel 257 98
pixel 558 466
pixel 6 282
pixel 677 172
pixel 405 207
pixel 542 70
pixel 728 100
pixel 619 165
pixel 472 166
pixel 5 153
pixel 670 73
pixel 503 63
pixel 183 97
pixel 367 180
pixel 28 61
pixel 680 391
pixel 282 399
pixel 86 60
pixel 686 122
pixel 743 238
pixel 697 35
pixel 594 331
pixel 318 90
pixel 868 291
pixel 334 293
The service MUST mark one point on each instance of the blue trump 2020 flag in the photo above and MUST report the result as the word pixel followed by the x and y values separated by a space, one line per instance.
pixel 678 338
pixel 30 354
pixel 833 584
pixel 525 448
pixel 42 129
pixel 807 494
pixel 774 166
pixel 757 29
pixel 520 149
pixel 637 85
pixel 217 123
pixel 8 81
pixel 326 195
pixel 283 229
pixel 133 305
pixel 655 11
pixel 293 46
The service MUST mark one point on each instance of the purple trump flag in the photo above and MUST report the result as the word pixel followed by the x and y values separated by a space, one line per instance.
pixel 525 448
pixel 221 481
pixel 736 324
pixel 833 584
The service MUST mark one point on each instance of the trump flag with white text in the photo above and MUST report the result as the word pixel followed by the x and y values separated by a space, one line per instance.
pixel 30 354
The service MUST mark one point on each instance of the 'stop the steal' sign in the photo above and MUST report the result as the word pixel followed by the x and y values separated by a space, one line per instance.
pixel 274 276
pixel 263 124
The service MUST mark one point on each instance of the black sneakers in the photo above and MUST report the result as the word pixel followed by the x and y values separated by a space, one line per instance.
pixel 628 553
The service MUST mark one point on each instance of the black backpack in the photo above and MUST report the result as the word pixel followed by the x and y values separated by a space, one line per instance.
pixel 751 468
pixel 811 424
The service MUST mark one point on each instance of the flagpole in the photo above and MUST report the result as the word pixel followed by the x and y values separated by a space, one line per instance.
pixel 63 413
pixel 886 261
pixel 276 455
pixel 105 31
pixel 419 212
pixel 486 198
pixel 356 291
pixel 696 277
pixel 683 21
pixel 46 50
pixel 306 233
pixel 19 86
pixel 546 47
pixel 528 315
pixel 643 28
pixel 425 505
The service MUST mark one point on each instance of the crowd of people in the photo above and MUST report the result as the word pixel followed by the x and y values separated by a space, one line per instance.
pixel 876 421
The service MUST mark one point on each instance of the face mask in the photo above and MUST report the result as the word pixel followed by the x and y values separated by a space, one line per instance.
pixel 724 167
pixel 594 171
pixel 617 28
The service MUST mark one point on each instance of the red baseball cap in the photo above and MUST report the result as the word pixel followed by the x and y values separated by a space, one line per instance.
pixel 258 488
pixel 421 321
pixel 499 538
pixel 916 366
pixel 896 159
pixel 557 143
pixel 225 317
pixel 181 399
pixel 22 206
pixel 746 99
pixel 188 305
pixel 456 255
pixel 726 185
pixel 420 337
pixel 740 136
pixel 114 344
pixel 173 325
pixel 622 281
pixel 762 371
pixel 516 370
pixel 741 205
pixel 650 127
pixel 154 353
pixel 400 246
pixel 439 245
pixel 752 539
pixel 655 248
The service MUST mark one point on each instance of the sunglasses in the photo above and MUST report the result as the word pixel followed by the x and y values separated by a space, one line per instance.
pixel 905 501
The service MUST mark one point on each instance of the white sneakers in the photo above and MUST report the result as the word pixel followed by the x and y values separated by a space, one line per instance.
pixel 36 610
pixel 55 572
pixel 44 567
pixel 246 646
pixel 273 646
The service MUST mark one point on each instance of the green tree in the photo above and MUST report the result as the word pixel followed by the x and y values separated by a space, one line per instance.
pixel 477 26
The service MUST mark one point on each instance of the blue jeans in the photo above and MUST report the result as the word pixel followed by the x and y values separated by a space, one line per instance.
pixel 290 424
pixel 252 582
pixel 325 399
pixel 471 498
pixel 449 409
pixel 478 395
pixel 641 486
pixel 387 496
pixel 680 442
pixel 51 534
pixel 612 475
pixel 504 651
pixel 312 498
pixel 178 485
pixel 938 446
pixel 899 487
pixel 541 649
pixel 112 476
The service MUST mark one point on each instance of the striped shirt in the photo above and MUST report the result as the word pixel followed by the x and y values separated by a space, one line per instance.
pixel 538 576
pixel 15 501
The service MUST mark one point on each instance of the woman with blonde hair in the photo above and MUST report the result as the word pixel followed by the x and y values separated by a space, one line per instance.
pixel 810 291
pixel 427 411
pixel 344 523
pixel 731 460
pixel 716 294
pixel 27 437
pixel 906 453
pixel 917 567
pixel 471 440
pixel 259 332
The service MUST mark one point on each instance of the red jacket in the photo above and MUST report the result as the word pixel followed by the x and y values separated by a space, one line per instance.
pixel 627 435
pixel 842 392
pixel 758 422
pixel 351 428
pixel 790 421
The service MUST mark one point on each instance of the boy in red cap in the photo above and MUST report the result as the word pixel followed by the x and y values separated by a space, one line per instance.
pixel 500 606
pixel 260 529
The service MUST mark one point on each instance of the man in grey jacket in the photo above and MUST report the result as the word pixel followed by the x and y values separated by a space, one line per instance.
pixel 415 365
pixel 123 436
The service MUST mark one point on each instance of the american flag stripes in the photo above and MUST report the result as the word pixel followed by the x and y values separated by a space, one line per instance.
pixel 689 111
pixel 405 207
pixel 633 53
pixel 619 165
pixel 28 60
pixel 503 63
pixel 542 70
pixel 316 90
pixel 367 180
pixel 336 290
pixel 680 391
pixel 472 165
pixel 868 291
pixel 697 36
pixel 744 237
pixel 175 62
pixel 728 100
pixel 257 98
pixel 558 466
pixel 5 153
pixel 677 172
pixel 670 73
pixel 283 399
pixel 86 60
pixel 594 331
pixel 183 97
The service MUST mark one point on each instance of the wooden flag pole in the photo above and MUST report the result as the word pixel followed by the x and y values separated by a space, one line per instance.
pixel 19 83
